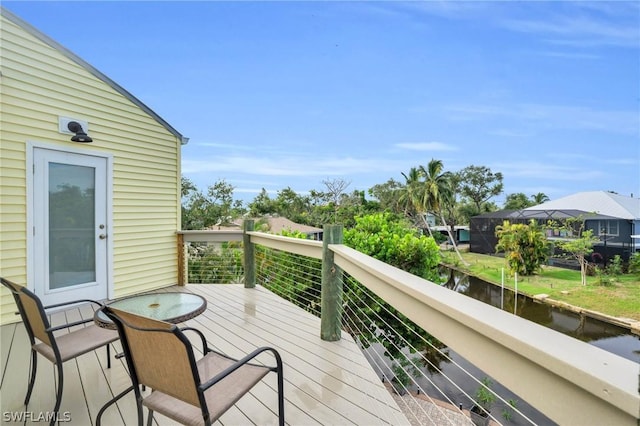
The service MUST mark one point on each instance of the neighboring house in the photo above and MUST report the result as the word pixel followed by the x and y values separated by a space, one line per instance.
pixel 613 218
pixel 461 232
pixel 279 224
pixel 276 225
pixel 80 220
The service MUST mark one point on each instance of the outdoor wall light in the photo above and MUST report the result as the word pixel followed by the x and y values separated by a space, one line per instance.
pixel 80 135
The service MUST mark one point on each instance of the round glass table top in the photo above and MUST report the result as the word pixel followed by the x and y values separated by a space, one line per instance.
pixel 171 307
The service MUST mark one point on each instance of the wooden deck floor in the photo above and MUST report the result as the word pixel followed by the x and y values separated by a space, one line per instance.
pixel 327 383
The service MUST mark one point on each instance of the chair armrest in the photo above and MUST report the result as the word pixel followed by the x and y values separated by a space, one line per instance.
pixel 69 325
pixel 74 302
pixel 205 346
pixel 224 373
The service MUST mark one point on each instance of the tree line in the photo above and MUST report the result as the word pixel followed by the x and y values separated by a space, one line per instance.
pixel 424 192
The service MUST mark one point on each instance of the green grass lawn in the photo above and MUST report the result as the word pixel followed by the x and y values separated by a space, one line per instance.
pixel 619 298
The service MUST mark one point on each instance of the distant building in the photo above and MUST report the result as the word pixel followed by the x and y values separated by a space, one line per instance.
pixel 277 224
pixel 460 232
pixel 614 218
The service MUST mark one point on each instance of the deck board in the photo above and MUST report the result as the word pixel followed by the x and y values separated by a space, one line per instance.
pixel 325 382
pixel 316 359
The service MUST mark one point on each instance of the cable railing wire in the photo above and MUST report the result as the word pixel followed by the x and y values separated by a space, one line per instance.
pixel 294 277
pixel 445 355
pixel 377 361
pixel 481 384
pixel 210 263
pixel 405 369
pixel 408 344
pixel 372 322
pixel 380 364
pixel 284 267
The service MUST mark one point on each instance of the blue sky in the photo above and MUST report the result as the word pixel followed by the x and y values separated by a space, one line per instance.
pixel 288 94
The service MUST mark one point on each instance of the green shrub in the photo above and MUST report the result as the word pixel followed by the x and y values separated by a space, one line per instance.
pixel 614 268
pixel 215 263
pixel 395 242
pixel 525 247
pixel 634 263
pixel 484 396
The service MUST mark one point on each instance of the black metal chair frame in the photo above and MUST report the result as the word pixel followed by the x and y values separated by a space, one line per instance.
pixel 15 289
pixel 201 387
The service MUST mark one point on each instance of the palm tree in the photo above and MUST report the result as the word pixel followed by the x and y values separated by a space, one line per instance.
pixel 539 198
pixel 411 196
pixel 437 191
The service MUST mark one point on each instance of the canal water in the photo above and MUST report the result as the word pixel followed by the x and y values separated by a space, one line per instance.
pixel 609 337
pixel 452 376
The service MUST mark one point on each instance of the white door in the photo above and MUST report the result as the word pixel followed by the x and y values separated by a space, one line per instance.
pixel 70 232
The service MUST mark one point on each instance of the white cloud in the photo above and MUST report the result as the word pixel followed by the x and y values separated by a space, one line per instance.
pixel 546 171
pixel 451 9
pixel 551 116
pixel 303 166
pixel 583 23
pixel 570 55
pixel 625 161
pixel 510 133
pixel 223 146
pixel 426 146
pixel 581 30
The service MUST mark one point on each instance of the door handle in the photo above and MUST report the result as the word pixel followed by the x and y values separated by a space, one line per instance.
pixel 102 236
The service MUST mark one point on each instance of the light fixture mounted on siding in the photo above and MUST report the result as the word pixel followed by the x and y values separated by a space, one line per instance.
pixel 80 135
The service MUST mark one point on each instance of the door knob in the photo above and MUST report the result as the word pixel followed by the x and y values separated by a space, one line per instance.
pixel 102 236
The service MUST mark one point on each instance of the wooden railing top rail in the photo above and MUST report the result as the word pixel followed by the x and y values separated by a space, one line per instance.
pixel 310 248
pixel 570 381
pixel 211 236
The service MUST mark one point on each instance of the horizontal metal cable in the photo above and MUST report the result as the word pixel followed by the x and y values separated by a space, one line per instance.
pixel 372 322
pixel 402 366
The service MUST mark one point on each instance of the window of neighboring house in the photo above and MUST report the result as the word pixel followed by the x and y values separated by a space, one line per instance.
pixel 608 227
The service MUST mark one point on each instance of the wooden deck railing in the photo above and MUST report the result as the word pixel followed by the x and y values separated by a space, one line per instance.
pixel 569 381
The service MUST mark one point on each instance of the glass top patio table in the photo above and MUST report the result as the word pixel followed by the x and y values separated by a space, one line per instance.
pixel 174 307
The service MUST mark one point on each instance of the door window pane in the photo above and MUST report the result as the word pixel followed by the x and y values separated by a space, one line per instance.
pixel 71 225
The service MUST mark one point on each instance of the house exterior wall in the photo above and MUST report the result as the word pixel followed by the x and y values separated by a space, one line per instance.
pixel 618 244
pixel 483 239
pixel 624 230
pixel 38 83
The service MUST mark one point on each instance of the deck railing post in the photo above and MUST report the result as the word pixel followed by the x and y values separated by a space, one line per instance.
pixel 331 294
pixel 182 261
pixel 249 256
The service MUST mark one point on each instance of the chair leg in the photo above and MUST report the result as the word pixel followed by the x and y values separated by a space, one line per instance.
pixel 32 379
pixel 139 408
pixel 110 403
pixel 58 394
pixel 280 398
pixel 150 419
pixel 108 356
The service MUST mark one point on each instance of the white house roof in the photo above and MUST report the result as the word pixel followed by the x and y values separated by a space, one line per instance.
pixel 600 202
pixel 279 224
pixel 75 58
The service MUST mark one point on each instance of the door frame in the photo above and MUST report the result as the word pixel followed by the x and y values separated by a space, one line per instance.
pixel 31 258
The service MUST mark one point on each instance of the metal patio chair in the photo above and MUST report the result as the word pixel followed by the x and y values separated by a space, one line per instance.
pixel 57 348
pixel 188 391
